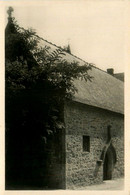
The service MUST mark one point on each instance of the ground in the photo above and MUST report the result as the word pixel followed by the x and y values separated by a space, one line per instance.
pixel 116 184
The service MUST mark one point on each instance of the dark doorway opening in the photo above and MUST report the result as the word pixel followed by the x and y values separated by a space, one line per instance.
pixel 109 163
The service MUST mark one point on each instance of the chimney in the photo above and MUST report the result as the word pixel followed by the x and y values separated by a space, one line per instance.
pixel 110 71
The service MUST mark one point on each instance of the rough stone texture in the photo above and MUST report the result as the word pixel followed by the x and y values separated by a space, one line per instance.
pixel 82 120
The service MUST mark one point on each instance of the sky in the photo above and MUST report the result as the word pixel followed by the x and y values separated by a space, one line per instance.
pixel 95 30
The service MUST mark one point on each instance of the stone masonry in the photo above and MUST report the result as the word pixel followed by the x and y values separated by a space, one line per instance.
pixel 86 120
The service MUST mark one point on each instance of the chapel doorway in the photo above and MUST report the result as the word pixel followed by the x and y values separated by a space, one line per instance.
pixel 109 163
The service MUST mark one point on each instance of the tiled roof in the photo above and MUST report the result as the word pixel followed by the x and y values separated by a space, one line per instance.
pixel 104 91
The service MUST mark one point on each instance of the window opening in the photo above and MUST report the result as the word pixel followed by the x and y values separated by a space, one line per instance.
pixel 86 143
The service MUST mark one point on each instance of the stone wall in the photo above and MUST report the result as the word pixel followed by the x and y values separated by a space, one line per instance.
pixel 81 166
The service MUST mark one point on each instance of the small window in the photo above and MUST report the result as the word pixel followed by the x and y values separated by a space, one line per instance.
pixel 86 143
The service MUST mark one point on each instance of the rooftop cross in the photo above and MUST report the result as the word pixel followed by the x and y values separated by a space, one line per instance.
pixel 9 11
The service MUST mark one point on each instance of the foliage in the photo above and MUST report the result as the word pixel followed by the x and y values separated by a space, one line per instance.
pixel 30 67
pixel 38 80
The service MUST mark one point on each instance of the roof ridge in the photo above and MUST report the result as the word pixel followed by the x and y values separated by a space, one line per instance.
pixel 91 64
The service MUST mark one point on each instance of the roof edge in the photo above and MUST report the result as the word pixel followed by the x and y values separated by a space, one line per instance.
pixel 107 109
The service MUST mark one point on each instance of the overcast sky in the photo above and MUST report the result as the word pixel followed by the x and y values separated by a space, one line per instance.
pixel 94 29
